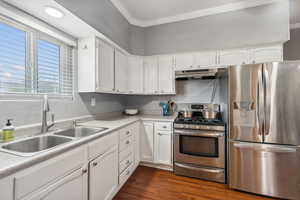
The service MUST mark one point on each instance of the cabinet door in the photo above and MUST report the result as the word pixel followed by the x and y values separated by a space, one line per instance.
pixel 234 57
pixel 163 147
pixel 267 54
pixel 150 75
pixel 184 61
pixel 135 75
pixel 205 59
pixel 121 72
pixel 103 180
pixel 147 142
pixel 104 67
pixel 166 80
pixel 136 134
pixel 73 186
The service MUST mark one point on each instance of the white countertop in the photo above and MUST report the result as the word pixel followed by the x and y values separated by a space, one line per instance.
pixel 10 163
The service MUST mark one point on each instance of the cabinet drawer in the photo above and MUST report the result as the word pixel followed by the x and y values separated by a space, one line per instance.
pixel 124 133
pixel 125 163
pixel 103 144
pixel 126 143
pixel 126 174
pixel 163 126
pixel 47 172
pixel 124 154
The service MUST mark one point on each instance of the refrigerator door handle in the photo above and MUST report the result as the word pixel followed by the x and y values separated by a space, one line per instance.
pixel 266 80
pixel 260 102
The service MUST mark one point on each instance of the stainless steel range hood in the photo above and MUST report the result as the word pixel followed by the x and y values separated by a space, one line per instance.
pixel 209 73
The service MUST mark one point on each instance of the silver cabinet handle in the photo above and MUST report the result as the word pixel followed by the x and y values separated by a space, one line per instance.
pixel 127 142
pixel 127 162
pixel 95 164
pixel 164 126
pixel 128 172
pixel 159 134
pixel 84 170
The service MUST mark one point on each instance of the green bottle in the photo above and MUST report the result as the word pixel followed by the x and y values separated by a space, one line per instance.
pixel 8 131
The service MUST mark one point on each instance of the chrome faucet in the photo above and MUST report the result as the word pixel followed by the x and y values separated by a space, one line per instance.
pixel 45 110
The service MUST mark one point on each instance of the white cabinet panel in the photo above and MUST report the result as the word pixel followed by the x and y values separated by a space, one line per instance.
pixel 184 61
pixel 135 75
pixel 150 75
pixel 267 54
pixel 104 178
pixel 163 147
pixel 147 142
pixel 234 57
pixel 121 72
pixel 205 59
pixel 104 67
pixel 73 186
pixel 166 80
pixel 136 133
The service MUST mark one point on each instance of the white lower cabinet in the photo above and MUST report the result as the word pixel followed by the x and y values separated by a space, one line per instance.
pixel 156 143
pixel 103 173
pixel 73 186
pixel 147 142
pixel 163 147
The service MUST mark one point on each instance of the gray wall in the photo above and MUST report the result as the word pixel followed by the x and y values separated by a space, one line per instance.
pixel 291 50
pixel 253 26
pixel 103 16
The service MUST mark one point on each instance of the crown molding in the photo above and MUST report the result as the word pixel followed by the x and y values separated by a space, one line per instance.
pixel 295 26
pixel 191 15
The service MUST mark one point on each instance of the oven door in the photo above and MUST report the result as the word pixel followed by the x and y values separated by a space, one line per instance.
pixel 206 148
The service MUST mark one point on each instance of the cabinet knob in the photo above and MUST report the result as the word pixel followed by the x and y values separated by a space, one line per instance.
pixel 127 162
pixel 84 170
pixel 164 126
pixel 95 164
pixel 128 132
pixel 128 172
pixel 127 142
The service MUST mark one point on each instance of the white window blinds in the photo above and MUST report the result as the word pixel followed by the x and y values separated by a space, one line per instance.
pixel 34 63
pixel 12 59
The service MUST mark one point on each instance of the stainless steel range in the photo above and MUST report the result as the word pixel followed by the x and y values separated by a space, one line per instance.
pixel 199 143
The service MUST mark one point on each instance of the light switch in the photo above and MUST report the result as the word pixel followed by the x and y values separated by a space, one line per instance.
pixel 93 101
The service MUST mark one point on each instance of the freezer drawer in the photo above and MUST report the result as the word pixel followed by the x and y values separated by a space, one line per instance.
pixel 271 170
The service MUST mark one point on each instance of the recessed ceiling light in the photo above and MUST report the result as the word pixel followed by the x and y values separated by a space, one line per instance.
pixel 54 12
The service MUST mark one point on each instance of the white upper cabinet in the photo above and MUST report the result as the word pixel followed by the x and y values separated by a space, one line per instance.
pixel 104 67
pixel 267 54
pixel 205 59
pixel 184 61
pixel 135 75
pixel 121 72
pixel 166 79
pixel 234 57
pixel 151 75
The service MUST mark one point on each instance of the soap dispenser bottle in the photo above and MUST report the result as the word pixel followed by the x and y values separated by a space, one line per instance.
pixel 8 131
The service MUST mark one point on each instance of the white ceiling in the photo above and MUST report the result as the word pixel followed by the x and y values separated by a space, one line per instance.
pixel 154 12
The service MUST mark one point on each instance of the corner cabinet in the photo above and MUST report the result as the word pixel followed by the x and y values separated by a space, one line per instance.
pixel 150 75
pixel 135 75
pixel 95 66
pixel 166 75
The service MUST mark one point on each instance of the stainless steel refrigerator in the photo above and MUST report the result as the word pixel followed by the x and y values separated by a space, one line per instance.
pixel 265 129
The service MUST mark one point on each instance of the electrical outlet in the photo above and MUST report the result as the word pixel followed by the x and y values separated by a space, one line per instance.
pixel 93 101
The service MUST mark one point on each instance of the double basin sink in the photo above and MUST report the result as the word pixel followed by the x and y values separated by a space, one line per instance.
pixel 36 144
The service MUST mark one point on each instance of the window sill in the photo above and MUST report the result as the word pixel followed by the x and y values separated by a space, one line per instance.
pixel 33 97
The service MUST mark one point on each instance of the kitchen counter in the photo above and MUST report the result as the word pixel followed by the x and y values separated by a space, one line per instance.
pixel 10 163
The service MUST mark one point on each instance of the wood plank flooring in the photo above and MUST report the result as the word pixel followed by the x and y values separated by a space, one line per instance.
pixel 153 184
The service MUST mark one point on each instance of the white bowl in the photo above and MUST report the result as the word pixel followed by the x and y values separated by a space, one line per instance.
pixel 131 111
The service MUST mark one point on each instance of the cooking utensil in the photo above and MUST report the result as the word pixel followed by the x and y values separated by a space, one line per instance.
pixel 210 114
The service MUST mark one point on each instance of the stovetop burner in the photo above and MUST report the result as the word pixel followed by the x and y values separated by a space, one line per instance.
pixel 198 121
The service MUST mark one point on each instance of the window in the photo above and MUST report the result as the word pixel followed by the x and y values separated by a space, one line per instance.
pixel 33 63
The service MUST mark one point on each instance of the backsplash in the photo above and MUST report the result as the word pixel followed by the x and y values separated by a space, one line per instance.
pixel 190 91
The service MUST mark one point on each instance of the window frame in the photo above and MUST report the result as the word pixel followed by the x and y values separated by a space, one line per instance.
pixel 31 64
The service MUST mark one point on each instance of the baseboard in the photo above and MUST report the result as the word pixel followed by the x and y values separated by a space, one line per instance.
pixel 157 166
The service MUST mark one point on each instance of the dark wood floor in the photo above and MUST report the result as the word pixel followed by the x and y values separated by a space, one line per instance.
pixel 153 184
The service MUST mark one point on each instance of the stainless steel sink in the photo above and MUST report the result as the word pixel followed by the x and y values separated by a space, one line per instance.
pixel 79 132
pixel 31 146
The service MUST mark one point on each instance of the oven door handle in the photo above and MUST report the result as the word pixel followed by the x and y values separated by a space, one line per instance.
pixel 199 133
pixel 218 171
